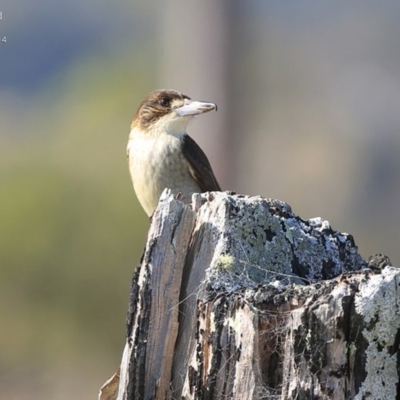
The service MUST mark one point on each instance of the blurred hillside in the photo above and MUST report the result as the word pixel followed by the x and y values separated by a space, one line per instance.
pixel 308 97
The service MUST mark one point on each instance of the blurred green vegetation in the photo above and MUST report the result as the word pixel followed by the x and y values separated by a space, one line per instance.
pixel 72 231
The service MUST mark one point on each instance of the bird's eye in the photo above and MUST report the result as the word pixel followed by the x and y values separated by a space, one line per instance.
pixel 163 102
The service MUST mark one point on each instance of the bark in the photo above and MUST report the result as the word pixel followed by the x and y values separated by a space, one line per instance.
pixel 238 298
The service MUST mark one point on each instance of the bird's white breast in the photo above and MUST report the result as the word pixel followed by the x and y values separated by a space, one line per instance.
pixel 156 162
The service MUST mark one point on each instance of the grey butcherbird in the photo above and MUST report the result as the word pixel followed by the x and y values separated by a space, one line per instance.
pixel 160 152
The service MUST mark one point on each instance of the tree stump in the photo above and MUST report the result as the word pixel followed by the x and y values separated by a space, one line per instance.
pixel 236 297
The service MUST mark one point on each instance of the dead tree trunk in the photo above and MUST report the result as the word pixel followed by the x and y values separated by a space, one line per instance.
pixel 239 298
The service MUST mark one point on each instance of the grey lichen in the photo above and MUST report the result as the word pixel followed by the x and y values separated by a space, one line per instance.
pixel 378 303
pixel 260 240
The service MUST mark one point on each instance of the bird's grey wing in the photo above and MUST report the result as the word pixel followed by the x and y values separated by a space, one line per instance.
pixel 199 165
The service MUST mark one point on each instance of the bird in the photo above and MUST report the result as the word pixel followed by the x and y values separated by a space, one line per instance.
pixel 162 155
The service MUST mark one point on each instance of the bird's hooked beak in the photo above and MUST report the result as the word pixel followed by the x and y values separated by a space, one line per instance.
pixel 195 107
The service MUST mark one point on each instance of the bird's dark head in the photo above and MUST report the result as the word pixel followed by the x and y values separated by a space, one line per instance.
pixel 168 110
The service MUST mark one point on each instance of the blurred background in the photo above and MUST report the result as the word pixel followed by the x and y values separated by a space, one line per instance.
pixel 309 112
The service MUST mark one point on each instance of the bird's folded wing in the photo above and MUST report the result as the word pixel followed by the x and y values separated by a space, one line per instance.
pixel 199 165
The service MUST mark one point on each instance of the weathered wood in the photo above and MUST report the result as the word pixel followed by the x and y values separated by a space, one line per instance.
pixel 154 305
pixel 238 298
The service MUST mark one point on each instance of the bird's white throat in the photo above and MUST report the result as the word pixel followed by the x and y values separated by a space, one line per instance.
pixel 170 124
